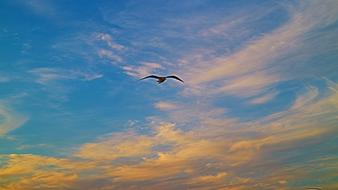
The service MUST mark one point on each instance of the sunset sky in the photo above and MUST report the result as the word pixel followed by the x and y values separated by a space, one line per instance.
pixel 258 109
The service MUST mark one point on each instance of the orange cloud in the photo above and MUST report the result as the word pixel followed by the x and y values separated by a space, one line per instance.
pixel 211 157
pixel 28 171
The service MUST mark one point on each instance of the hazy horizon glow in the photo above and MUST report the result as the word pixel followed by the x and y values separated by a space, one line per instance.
pixel 258 108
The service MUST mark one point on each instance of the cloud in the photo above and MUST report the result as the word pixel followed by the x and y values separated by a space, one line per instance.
pixel 88 46
pixel 46 75
pixel 27 171
pixel 263 98
pixel 171 158
pixel 104 53
pixel 248 85
pixel 258 65
pixel 144 69
pixel 307 98
pixel 108 39
pixel 165 106
pixel 10 120
pixel 210 178
pixel 233 25
pixel 118 145
pixel 109 49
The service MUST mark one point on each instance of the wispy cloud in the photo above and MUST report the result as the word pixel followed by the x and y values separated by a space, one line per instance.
pixel 258 64
pixel 108 39
pixel 46 75
pixel 109 49
pixel 9 119
pixel 144 69
pixel 104 53
pixel 301 101
pixel 166 106
pixel 234 25
pixel 263 98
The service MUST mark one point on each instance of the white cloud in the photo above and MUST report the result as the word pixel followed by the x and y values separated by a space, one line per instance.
pixel 45 75
pixel 144 69
pixel 104 53
pixel 109 49
pixel 91 76
pixel 108 39
pixel 258 65
pixel 263 98
pixel 9 120
pixel 231 25
pixel 248 85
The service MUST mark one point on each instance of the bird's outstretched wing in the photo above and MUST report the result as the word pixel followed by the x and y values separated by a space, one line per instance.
pixel 175 77
pixel 150 76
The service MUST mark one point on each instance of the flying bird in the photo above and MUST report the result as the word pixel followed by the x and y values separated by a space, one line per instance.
pixel 162 79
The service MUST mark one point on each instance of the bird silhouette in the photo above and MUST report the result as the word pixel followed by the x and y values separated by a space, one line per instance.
pixel 162 79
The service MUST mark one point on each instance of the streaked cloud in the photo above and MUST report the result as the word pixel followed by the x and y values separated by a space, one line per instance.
pixel 144 69
pixel 46 75
pixel 263 98
pixel 248 85
pixel 108 39
pixel 108 48
pixel 257 65
pixel 104 53
pixel 165 105
pixel 10 120
pixel 304 99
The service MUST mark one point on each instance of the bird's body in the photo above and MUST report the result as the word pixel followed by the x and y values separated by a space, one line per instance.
pixel 161 79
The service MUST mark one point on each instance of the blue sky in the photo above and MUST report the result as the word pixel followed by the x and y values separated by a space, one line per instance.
pixel 258 107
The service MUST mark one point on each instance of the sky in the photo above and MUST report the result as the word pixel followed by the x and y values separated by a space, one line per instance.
pixel 258 108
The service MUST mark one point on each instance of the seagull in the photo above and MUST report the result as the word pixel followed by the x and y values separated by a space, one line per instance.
pixel 162 79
